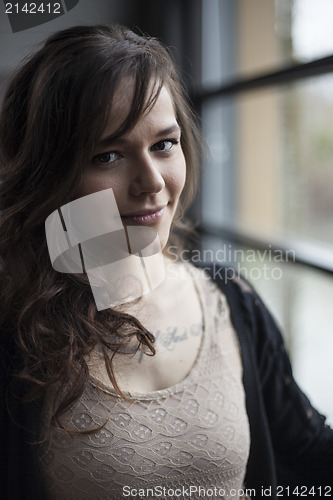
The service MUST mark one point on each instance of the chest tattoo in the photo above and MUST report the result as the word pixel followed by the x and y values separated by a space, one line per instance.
pixel 172 336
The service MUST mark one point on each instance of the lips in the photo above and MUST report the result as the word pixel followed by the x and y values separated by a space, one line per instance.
pixel 144 216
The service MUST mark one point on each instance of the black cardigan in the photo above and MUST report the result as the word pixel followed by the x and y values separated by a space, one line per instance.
pixel 290 444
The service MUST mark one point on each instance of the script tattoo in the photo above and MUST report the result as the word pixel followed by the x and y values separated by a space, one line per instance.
pixel 172 336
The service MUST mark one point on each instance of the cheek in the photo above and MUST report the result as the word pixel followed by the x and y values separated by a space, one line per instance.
pixel 89 184
pixel 92 183
pixel 177 177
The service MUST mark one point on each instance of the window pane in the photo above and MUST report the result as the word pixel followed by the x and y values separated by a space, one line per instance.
pixel 259 175
pixel 218 174
pixel 307 160
pixel 312 34
pixel 218 42
pixel 245 38
pixel 284 142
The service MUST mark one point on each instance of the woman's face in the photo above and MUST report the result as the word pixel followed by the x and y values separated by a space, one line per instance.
pixel 145 167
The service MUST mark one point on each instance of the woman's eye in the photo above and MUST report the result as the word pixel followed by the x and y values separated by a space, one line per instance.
pixel 165 145
pixel 106 158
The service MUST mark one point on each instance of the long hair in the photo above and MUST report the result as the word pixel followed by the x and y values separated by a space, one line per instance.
pixel 53 113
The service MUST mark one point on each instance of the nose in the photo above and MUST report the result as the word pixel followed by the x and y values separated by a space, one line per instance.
pixel 147 177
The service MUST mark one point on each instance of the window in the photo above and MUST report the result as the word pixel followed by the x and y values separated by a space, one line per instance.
pixel 267 203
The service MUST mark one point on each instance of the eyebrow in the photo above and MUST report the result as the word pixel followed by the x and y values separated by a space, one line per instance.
pixel 108 140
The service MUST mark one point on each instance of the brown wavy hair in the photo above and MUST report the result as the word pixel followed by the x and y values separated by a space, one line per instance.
pixel 53 113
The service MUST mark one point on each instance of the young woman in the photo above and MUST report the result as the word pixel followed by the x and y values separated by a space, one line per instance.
pixel 185 391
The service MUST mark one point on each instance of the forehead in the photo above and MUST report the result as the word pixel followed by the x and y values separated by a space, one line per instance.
pixel 122 102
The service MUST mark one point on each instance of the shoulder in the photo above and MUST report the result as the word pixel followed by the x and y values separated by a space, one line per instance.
pixel 226 278
pixel 250 316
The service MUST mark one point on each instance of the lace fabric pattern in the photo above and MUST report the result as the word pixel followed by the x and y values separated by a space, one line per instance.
pixel 193 434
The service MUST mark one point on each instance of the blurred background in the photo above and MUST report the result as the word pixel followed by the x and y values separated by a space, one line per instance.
pixel 260 76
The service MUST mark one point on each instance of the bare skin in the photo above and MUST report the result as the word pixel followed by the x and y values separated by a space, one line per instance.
pixel 177 325
pixel 146 169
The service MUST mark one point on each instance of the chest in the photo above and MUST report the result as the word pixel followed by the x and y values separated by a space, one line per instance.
pixel 193 433
pixel 178 330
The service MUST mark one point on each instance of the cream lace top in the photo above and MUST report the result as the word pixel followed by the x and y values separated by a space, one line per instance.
pixel 168 443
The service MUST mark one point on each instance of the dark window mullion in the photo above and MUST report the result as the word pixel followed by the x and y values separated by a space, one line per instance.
pixel 282 76
pixel 302 253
